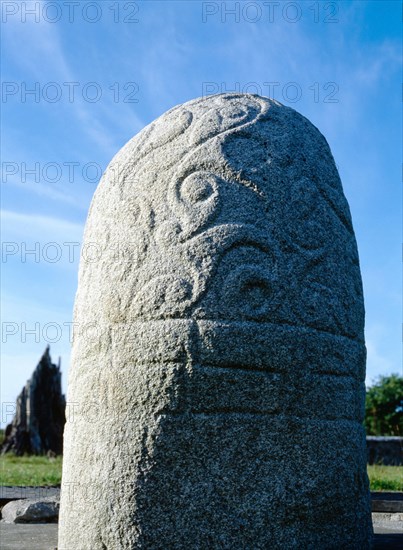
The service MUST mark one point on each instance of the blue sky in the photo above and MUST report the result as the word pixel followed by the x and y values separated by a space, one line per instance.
pixel 99 72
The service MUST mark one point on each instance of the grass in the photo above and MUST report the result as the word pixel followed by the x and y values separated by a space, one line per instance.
pixel 385 478
pixel 42 471
pixel 30 470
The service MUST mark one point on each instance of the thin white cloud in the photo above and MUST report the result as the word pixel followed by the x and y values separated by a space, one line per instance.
pixel 37 242
pixel 45 43
pixel 383 59
pixel 34 226
pixel 53 192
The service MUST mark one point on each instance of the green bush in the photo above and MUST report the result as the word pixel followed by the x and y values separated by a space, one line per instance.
pixel 384 406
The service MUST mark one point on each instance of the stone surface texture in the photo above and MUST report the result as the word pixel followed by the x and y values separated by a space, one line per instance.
pixel 218 359
pixel 31 511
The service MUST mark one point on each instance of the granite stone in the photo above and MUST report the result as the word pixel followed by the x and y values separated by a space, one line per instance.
pixel 44 510
pixel 218 360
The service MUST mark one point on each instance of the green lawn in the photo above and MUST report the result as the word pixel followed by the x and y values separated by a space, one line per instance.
pixel 40 470
pixel 385 478
pixel 30 470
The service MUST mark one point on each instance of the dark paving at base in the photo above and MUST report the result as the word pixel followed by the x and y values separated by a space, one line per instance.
pixel 12 493
pixel 389 541
pixel 387 501
pixel 386 495
pixel 44 537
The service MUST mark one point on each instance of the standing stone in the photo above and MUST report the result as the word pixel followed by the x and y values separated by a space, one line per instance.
pixel 38 423
pixel 218 362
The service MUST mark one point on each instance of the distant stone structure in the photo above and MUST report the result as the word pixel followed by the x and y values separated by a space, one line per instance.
pixel 38 423
pixel 220 399
pixel 386 450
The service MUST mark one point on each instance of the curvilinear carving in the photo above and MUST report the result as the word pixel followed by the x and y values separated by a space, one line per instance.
pixel 229 359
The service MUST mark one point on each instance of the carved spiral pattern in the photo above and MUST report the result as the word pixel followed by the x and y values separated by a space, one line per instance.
pixel 186 235
pixel 233 114
pixel 195 200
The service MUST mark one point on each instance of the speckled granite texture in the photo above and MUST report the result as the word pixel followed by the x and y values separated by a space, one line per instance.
pixel 218 359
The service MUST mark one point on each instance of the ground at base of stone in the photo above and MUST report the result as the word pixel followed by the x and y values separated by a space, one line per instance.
pixel 387 539
pixel 44 537
pixel 32 536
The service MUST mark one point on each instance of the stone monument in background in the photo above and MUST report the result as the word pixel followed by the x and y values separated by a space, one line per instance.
pixel 38 423
pixel 220 404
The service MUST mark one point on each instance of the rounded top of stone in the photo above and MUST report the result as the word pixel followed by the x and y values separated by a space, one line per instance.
pixel 228 207
pixel 214 116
